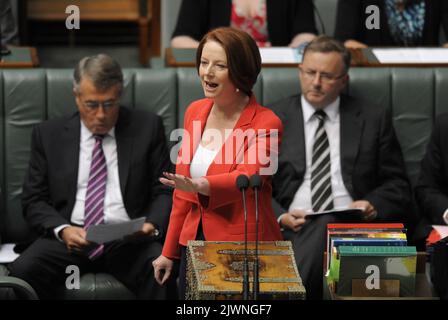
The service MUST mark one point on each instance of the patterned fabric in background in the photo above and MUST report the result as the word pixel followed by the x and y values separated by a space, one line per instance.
pixel 256 26
pixel 406 26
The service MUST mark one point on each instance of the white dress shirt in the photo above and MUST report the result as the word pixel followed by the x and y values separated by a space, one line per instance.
pixel 201 161
pixel 114 210
pixel 341 197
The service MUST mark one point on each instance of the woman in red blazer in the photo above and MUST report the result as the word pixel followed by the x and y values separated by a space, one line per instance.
pixel 226 134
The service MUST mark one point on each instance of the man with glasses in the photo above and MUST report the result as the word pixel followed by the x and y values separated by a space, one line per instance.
pixel 98 166
pixel 339 153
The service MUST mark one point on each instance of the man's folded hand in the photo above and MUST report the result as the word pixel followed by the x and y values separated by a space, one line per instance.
pixel 74 238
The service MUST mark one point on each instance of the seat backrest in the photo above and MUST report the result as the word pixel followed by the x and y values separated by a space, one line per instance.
pixel 410 100
pixel 24 107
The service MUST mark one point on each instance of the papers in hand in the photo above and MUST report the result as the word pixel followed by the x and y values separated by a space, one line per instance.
pixel 345 211
pixel 103 233
pixel 441 230
pixel 7 253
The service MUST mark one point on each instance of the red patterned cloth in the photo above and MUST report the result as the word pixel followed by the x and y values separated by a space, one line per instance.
pixel 256 26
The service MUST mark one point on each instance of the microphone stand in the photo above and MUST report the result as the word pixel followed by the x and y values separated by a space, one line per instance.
pixel 255 182
pixel 242 184
pixel 246 261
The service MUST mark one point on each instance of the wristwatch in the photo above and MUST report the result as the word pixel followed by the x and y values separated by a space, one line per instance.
pixel 155 233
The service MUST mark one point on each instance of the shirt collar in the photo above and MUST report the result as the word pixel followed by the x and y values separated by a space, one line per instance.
pixel 86 134
pixel 332 110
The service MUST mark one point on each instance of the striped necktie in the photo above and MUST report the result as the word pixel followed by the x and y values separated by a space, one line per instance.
pixel 96 190
pixel 321 193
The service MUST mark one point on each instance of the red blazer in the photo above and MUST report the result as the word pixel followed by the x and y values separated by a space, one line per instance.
pixel 222 211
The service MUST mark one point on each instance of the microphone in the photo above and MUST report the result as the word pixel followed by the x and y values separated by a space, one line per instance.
pixel 242 183
pixel 255 183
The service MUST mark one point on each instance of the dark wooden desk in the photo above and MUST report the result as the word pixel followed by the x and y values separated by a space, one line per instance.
pixel 187 58
pixel 145 13
pixel 360 58
pixel 20 57
pixel 175 57
pixel 366 58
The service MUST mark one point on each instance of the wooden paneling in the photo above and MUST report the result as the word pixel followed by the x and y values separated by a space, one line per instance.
pixel 106 10
pixel 97 10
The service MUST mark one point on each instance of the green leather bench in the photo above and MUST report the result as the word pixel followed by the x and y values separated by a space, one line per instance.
pixel 28 97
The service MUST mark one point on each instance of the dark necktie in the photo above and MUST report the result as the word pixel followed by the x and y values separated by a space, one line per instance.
pixel 96 190
pixel 321 193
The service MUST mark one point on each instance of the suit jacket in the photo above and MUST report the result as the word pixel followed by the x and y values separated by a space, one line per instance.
pixel 50 185
pixel 350 22
pixel 286 18
pixel 431 191
pixel 221 213
pixel 371 161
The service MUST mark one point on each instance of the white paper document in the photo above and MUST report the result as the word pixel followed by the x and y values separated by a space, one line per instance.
pixel 7 253
pixel 344 211
pixel 103 233
pixel 280 55
pixel 442 230
pixel 411 55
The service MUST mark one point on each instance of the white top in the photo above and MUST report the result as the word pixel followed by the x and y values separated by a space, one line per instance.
pixel 114 210
pixel 202 159
pixel 341 197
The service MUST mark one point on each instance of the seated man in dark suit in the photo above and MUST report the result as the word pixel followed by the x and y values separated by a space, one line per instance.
pixel 98 166
pixel 431 191
pixel 338 152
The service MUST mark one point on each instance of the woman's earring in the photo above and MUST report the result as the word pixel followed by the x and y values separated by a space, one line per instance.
pixel 237 90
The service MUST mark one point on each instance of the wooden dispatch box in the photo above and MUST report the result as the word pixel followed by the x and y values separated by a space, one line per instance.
pixel 214 270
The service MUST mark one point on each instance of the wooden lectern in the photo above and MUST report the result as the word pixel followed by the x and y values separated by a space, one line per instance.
pixel 214 270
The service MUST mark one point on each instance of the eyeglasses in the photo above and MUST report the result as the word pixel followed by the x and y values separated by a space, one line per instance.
pixel 324 77
pixel 107 105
